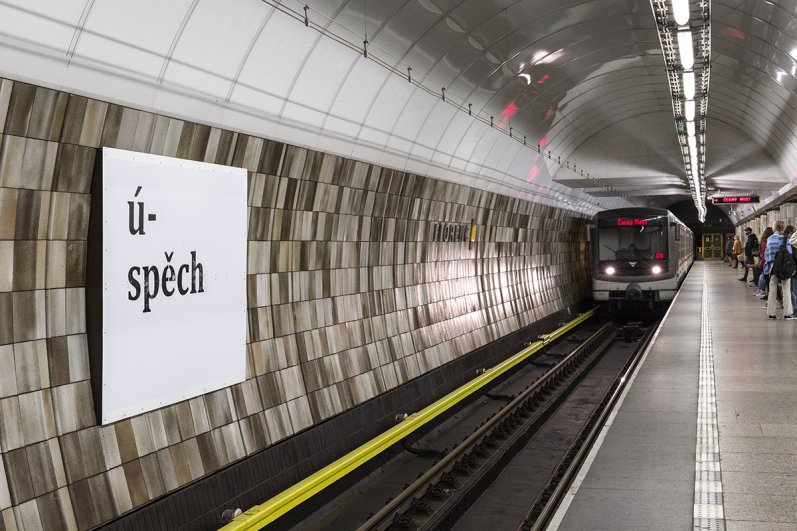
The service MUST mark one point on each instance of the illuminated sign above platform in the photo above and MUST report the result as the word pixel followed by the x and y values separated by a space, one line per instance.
pixel 736 199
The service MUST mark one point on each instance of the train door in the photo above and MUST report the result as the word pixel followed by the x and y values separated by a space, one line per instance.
pixel 712 247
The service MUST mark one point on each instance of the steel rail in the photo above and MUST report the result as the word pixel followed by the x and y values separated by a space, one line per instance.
pixel 563 484
pixel 259 516
pixel 383 519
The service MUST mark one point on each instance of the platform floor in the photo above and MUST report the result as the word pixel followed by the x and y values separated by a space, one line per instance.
pixel 642 476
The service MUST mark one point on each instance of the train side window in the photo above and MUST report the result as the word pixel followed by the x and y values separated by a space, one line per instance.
pixel 677 232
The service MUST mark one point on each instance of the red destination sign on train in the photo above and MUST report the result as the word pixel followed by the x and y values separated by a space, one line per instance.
pixel 631 222
pixel 736 199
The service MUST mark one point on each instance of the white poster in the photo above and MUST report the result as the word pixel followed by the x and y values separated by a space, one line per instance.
pixel 174 278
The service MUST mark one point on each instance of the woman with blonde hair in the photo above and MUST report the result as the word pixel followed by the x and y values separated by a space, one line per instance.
pixel 737 250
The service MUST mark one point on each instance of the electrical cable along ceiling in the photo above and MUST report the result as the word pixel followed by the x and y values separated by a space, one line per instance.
pixel 527 98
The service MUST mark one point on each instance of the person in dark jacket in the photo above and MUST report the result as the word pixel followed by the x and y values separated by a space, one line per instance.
pixel 729 251
pixel 750 248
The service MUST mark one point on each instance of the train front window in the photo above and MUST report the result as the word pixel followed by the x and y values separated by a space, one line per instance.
pixel 633 239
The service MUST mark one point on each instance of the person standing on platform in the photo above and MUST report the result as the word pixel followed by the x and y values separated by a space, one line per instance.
pixel 729 251
pixel 793 243
pixel 750 249
pixel 763 279
pixel 774 244
pixel 737 250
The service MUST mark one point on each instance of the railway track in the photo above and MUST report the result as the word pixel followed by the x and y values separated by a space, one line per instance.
pixel 447 489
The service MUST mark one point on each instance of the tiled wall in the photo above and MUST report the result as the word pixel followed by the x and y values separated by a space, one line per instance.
pixel 347 296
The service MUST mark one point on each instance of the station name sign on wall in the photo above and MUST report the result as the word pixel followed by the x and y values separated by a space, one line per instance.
pixel 173 292
pixel 454 232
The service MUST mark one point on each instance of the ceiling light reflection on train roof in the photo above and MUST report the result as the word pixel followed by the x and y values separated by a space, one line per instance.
pixel 680 10
pixel 689 110
pixel 685 49
pixel 689 85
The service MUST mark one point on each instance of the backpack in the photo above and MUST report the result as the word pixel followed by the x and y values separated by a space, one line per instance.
pixel 783 265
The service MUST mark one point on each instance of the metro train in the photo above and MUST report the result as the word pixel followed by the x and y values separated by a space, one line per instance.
pixel 640 257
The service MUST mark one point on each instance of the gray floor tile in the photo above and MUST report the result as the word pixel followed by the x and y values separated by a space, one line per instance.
pixel 760 507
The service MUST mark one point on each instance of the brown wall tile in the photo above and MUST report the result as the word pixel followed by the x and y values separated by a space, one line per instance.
pixel 19 109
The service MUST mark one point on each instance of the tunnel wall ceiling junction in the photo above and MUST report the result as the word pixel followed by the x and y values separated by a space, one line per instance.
pixel 347 298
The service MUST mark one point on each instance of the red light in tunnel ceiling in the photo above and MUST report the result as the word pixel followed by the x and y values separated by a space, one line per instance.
pixel 532 173
pixel 733 32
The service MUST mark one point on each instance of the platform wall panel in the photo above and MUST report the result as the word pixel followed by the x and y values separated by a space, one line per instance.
pixel 348 298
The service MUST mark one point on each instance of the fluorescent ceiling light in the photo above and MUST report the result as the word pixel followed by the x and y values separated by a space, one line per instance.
pixel 685 49
pixel 692 141
pixel 689 110
pixel 693 151
pixel 680 10
pixel 690 128
pixel 689 85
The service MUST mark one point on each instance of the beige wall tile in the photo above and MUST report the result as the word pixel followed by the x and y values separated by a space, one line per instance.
pixel 8 212
pixel 92 123
pixel 26 358
pixel 75 311
pixel 19 108
pixel 9 520
pixel 120 490
pixel 102 498
pixel 168 472
pixel 5 495
pixel 20 484
pixel 180 462
pixel 158 430
pixel 135 483
pixel 64 409
pixel 11 435
pixel 12 153
pixel 150 469
pixel 68 511
pixel 143 435
pixel 29 516
pixel 8 374
pixel 199 414
pixel 194 459
pixel 110 448
pixel 6 265
pixel 5 96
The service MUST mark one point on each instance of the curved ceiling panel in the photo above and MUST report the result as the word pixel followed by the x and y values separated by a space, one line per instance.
pixel 584 79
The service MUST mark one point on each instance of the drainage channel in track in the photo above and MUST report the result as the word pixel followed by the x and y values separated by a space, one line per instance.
pixel 552 398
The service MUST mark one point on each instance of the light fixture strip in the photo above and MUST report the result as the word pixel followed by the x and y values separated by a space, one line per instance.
pixel 686 45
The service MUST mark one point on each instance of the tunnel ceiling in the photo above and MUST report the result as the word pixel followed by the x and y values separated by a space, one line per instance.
pixel 583 79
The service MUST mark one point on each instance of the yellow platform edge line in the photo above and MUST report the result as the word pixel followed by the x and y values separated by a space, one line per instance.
pixel 261 515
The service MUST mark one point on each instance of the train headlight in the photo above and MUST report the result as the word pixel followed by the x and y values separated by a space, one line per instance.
pixel 656 270
pixel 610 271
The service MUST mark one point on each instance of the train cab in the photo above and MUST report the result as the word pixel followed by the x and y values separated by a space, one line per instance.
pixel 639 255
